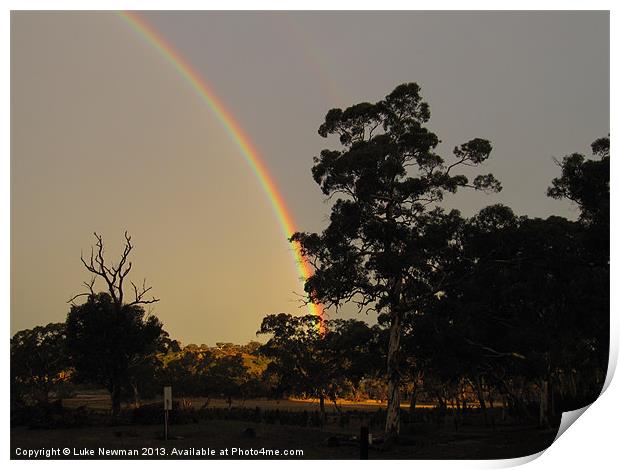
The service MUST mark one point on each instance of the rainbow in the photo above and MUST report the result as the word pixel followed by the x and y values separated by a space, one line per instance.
pixel 239 137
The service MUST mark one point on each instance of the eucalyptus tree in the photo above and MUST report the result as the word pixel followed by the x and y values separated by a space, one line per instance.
pixel 386 181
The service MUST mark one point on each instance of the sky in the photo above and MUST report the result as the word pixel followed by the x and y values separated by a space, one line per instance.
pixel 107 136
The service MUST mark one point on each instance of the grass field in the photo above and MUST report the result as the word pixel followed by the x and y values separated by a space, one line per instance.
pixel 101 401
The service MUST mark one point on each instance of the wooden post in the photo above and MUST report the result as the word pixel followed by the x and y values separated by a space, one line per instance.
pixel 167 408
pixel 166 425
pixel 364 443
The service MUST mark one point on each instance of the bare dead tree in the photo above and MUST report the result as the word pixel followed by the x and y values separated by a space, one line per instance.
pixel 113 276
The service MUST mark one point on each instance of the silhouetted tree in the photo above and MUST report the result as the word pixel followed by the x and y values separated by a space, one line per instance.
pixel 38 362
pixel 294 349
pixel 353 352
pixel 104 341
pixel 522 302
pixel 586 183
pixel 227 376
pixel 314 362
pixel 186 369
pixel 387 179
pixel 145 370
pixel 107 333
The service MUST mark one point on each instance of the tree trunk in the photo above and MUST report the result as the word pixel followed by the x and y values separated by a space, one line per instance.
pixel 572 384
pixel 543 419
pixel 115 395
pixel 480 394
pixel 442 401
pixel 392 420
pixel 552 411
pixel 322 407
pixel 414 398
pixel 332 397
pixel 41 395
pixel 136 395
pixel 456 412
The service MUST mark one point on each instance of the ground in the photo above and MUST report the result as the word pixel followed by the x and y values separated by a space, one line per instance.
pixel 419 441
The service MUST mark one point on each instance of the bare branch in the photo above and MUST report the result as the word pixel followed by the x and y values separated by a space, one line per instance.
pixel 91 291
pixel 70 301
pixel 139 294
pixel 492 352
pixel 114 276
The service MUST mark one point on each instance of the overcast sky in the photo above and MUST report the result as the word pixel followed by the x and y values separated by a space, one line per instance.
pixel 107 136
